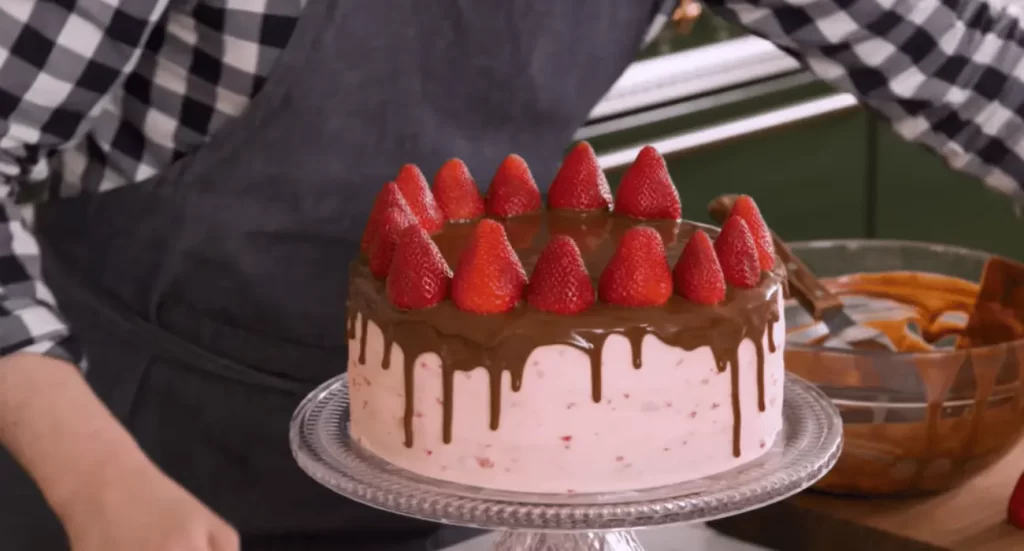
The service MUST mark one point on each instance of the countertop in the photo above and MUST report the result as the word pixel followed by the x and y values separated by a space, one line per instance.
pixel 971 517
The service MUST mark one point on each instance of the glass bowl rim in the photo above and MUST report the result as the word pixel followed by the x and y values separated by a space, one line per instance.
pixel 889 244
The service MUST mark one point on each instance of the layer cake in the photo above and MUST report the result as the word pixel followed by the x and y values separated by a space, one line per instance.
pixel 589 346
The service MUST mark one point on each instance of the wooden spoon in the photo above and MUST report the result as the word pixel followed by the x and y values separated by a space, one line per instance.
pixel 822 304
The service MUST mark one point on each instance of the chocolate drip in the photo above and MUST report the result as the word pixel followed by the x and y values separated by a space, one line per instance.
pixel 636 335
pixel 760 377
pixel 447 402
pixel 410 388
pixel 389 342
pixel 495 388
pixel 594 353
pixel 364 325
pixel 351 326
pixel 728 359
pixel 773 317
pixel 503 343
pixel 734 377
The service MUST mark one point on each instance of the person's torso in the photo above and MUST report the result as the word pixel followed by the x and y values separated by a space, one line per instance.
pixel 256 227
pixel 199 68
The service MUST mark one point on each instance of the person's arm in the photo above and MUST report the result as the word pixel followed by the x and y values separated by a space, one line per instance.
pixel 55 426
pixel 58 68
pixel 948 75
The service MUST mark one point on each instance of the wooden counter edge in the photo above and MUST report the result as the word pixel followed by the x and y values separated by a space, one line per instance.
pixel 969 518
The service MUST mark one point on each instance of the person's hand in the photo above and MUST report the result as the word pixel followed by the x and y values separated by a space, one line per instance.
pixel 138 508
pixel 107 493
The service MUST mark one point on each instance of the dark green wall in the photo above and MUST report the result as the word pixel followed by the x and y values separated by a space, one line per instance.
pixel 920 198
pixel 813 180
pixel 809 182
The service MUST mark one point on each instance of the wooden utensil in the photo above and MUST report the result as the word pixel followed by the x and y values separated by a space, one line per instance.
pixel 998 313
pixel 822 304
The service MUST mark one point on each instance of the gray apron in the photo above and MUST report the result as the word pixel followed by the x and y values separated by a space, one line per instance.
pixel 212 298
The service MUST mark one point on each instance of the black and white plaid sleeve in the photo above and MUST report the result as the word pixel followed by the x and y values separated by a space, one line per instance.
pixel 948 74
pixel 58 63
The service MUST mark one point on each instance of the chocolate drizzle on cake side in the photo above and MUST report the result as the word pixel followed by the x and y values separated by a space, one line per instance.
pixel 503 342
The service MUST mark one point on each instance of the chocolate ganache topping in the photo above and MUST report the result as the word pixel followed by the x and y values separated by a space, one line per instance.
pixel 465 341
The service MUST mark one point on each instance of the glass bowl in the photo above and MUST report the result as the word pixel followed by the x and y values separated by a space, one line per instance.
pixel 914 422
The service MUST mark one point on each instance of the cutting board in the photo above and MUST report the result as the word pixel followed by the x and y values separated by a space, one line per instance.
pixel 969 518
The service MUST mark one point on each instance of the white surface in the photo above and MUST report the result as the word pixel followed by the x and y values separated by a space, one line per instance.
pixel 679 75
pixel 696 537
pixel 719 133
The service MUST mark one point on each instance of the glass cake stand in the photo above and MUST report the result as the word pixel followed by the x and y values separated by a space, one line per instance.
pixel 806 449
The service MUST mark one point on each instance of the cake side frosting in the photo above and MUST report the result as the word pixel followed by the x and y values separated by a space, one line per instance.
pixel 679 417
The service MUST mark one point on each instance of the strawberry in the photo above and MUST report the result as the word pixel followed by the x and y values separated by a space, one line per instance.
pixel 580 183
pixel 560 283
pixel 419 277
pixel 382 248
pixel 646 190
pixel 456 192
pixel 1015 508
pixel 698 275
pixel 746 208
pixel 389 198
pixel 413 186
pixel 513 191
pixel 637 274
pixel 489 278
pixel 737 254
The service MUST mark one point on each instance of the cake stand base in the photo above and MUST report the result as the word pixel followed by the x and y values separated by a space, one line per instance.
pixel 575 541
pixel 804 451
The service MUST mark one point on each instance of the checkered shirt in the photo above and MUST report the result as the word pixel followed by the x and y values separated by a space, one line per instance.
pixel 97 94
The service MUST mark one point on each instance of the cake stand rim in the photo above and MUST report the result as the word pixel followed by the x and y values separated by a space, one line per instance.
pixel 514 510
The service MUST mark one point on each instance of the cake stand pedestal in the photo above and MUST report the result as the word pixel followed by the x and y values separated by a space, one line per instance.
pixel 805 450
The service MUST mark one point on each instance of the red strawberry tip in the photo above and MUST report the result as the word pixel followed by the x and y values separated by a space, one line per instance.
pixel 456 192
pixel 389 197
pixel 580 184
pixel 638 274
pixel 746 208
pixel 737 254
pixel 513 191
pixel 417 194
pixel 646 190
pixel 560 283
pixel 489 278
pixel 698 275
pixel 418 277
